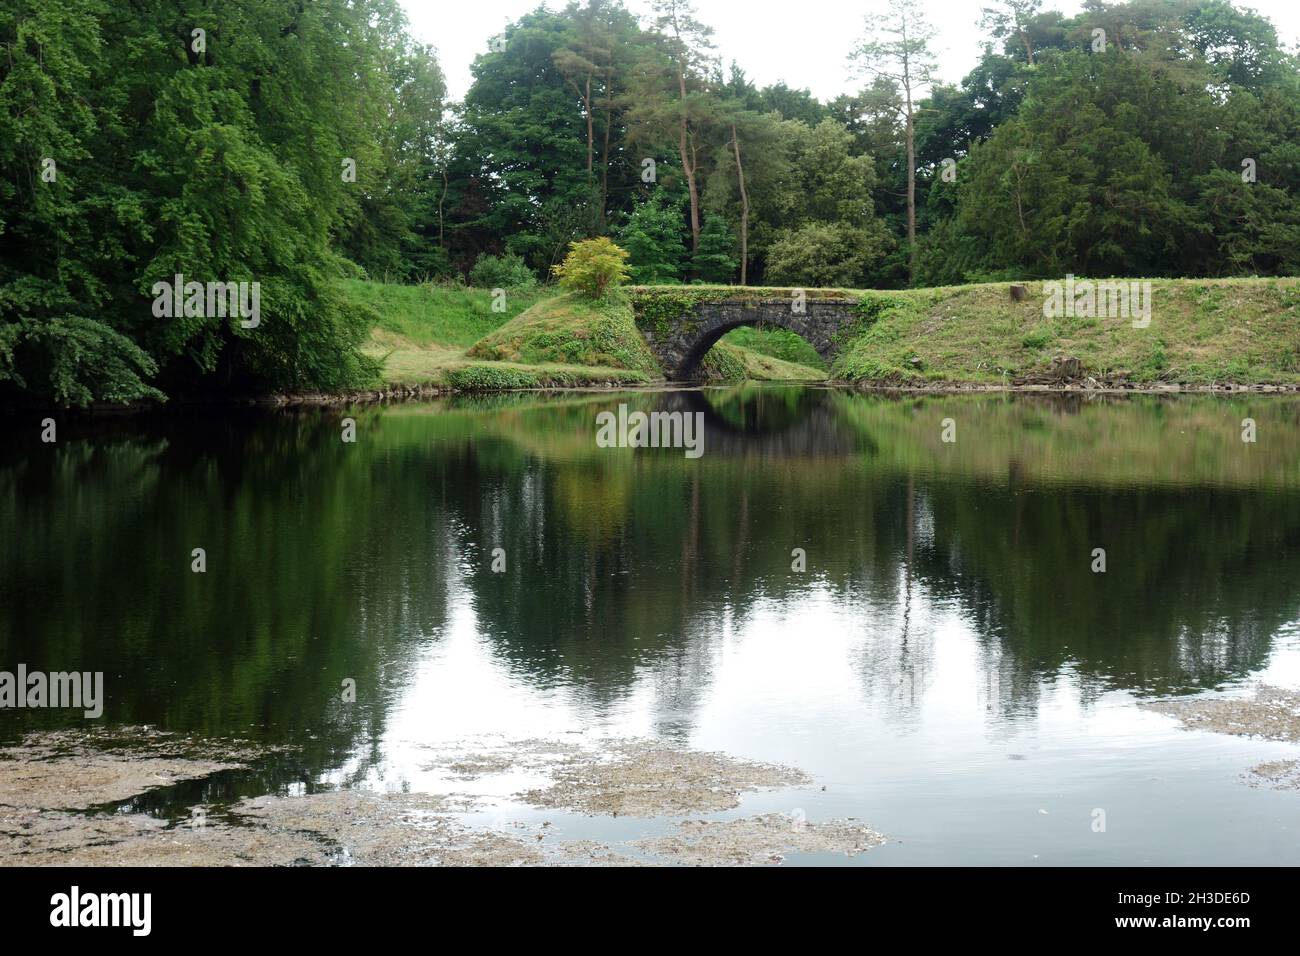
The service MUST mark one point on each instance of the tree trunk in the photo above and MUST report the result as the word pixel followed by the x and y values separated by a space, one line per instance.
pixel 911 189
pixel 604 174
pixel 442 199
pixel 688 168
pixel 604 156
pixel 591 131
pixel 1024 39
pixel 744 211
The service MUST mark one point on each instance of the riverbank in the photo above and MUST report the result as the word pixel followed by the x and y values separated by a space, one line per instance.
pixel 433 339
pixel 1208 335
pixel 416 393
pixel 1214 336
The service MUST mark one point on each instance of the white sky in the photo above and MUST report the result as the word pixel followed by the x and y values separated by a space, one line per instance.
pixel 803 42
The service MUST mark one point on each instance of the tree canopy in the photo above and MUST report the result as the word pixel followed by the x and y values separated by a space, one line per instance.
pixel 289 144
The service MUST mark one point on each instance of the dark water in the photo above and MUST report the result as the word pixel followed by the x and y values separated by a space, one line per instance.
pixel 948 666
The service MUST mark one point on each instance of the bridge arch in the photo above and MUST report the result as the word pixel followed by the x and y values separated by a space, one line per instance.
pixel 681 342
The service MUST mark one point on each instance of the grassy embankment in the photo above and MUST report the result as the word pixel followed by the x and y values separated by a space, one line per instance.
pixel 422 335
pixel 1240 331
pixel 1201 332
pixel 437 335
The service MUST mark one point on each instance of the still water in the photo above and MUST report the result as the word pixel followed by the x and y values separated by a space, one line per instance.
pixel 949 667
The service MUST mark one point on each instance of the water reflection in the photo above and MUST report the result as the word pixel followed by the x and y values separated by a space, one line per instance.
pixel 645 592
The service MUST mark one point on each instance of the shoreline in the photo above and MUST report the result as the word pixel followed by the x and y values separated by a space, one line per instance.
pixel 419 393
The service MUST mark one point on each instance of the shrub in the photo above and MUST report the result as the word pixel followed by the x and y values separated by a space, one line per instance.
pixel 506 271
pixel 593 267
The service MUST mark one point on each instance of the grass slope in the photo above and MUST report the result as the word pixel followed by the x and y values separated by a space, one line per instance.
pixel 1241 331
pixel 779 344
pixel 1244 331
pixel 727 362
pixel 571 330
pixel 421 334
pixel 424 315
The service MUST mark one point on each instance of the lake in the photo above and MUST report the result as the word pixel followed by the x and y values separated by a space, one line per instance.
pixel 920 624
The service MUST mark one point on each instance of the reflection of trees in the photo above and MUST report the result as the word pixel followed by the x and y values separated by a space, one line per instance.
pixel 328 561
pixel 1194 587
pixel 305 584
pixel 1190 598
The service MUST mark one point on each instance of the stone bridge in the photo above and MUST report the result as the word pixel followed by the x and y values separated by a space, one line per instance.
pixel 680 338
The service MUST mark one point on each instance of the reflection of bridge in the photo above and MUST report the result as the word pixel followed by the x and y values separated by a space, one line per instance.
pixel 680 343
pixel 762 424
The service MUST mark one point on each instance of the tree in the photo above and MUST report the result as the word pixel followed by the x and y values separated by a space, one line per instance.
pixel 58 338
pixel 582 61
pixel 593 267
pixel 716 259
pixel 688 46
pixel 897 48
pixel 824 254
pixel 790 103
pixel 1009 20
pixel 753 178
pixel 1255 226
pixel 397 216
pixel 1080 180
pixel 520 144
pixel 592 61
pixel 652 237
pixel 834 184
pixel 744 207
pixel 219 161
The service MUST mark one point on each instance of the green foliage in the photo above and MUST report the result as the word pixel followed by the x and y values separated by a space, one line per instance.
pixel 824 254
pixel 1037 338
pixel 723 363
pixel 593 267
pixel 491 377
pixel 653 238
pixel 204 162
pixel 655 307
pixel 777 343
pixel 506 271
pixel 486 377
pixel 75 361
pixel 716 260
pixel 518 170
pixel 1123 164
